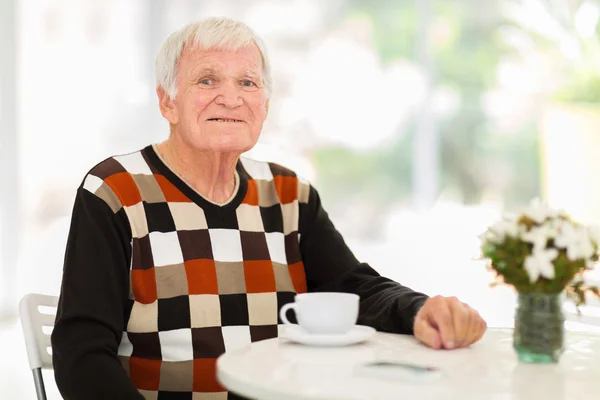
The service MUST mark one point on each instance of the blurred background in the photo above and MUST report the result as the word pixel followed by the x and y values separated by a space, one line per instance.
pixel 419 121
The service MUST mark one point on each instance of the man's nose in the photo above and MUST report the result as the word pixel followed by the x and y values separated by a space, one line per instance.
pixel 230 95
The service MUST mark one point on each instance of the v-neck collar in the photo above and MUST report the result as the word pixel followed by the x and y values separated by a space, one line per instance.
pixel 191 193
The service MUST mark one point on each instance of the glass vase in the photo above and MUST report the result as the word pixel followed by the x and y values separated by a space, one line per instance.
pixel 539 327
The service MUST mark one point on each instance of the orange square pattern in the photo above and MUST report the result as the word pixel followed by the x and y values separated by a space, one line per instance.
pixel 205 376
pixel 260 277
pixel 201 276
pixel 251 197
pixel 172 194
pixel 125 188
pixel 143 284
pixel 298 276
pixel 287 188
pixel 144 373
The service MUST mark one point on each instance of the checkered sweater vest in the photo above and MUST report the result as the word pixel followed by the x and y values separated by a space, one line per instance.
pixel 158 281
pixel 204 279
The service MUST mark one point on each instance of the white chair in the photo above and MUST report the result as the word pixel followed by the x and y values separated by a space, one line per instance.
pixel 36 340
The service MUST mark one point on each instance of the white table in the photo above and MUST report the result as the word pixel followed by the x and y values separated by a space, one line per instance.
pixel 276 369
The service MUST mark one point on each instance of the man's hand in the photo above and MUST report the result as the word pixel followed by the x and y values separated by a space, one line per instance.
pixel 445 322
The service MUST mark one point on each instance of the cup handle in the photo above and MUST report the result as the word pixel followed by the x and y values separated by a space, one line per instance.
pixel 284 310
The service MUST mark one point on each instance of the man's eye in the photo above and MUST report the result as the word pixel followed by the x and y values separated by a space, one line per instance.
pixel 248 83
pixel 206 82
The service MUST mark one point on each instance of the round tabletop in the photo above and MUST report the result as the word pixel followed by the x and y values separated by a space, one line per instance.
pixel 278 369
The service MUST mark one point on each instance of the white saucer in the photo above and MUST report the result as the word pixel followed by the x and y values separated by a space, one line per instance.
pixel 358 333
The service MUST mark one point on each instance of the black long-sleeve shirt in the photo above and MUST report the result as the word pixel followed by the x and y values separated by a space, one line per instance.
pixel 158 281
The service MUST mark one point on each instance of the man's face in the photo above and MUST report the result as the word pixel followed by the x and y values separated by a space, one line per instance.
pixel 220 105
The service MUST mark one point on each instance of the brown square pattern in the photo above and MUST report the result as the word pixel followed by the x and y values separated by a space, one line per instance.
pixel 230 277
pixel 171 281
pixel 254 246
pixel 195 245
pixel 207 342
pixel 177 376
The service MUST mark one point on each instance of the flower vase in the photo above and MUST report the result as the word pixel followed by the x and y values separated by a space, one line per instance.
pixel 539 328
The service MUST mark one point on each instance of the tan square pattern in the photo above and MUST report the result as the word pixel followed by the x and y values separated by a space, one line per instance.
pixel 171 281
pixel 137 220
pixel 144 318
pixel 177 376
pixel 283 280
pixel 262 308
pixel 267 194
pixel 188 216
pixel 205 310
pixel 230 277
pixel 209 396
pixel 148 394
pixel 303 191
pixel 149 189
pixel 249 218
pixel 290 213
pixel 108 195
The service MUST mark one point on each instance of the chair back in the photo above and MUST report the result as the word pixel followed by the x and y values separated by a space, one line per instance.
pixel 33 321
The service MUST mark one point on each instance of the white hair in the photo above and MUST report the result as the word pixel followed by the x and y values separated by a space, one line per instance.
pixel 211 33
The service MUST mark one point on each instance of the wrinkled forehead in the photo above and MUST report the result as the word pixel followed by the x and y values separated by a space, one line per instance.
pixel 245 60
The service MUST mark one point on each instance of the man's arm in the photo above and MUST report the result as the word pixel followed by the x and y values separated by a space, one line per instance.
pixel 330 266
pixel 92 305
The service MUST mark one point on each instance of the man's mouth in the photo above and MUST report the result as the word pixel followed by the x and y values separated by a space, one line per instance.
pixel 225 120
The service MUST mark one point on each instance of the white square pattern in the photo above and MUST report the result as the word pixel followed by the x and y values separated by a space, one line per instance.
pixel 134 163
pixel 257 169
pixel 125 347
pixel 176 345
pixel 92 183
pixel 236 337
pixel 188 216
pixel 276 245
pixel 166 249
pixel 226 245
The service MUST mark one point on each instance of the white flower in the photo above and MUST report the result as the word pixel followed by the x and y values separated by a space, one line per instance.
pixel 539 212
pixel 537 236
pixel 576 239
pixel 540 263
pixel 581 247
pixel 503 228
pixel 508 216
pixel 552 228
pixel 566 236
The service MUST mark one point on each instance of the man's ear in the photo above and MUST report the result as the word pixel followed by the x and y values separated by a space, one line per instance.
pixel 167 106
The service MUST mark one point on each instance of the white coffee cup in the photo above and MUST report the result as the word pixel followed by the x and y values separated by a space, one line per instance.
pixel 324 312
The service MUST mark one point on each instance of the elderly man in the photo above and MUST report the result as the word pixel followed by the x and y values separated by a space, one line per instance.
pixel 184 250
